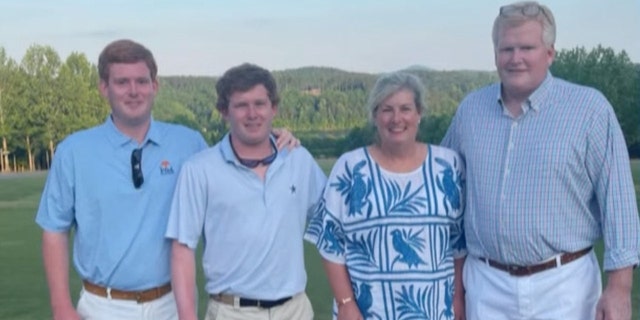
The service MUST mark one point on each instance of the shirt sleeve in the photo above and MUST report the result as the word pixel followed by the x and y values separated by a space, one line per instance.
pixel 186 216
pixel 325 227
pixel 451 138
pixel 317 182
pixel 56 211
pixel 609 168
pixel 457 238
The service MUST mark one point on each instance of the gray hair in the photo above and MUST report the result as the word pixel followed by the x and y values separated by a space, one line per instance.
pixel 390 83
pixel 517 13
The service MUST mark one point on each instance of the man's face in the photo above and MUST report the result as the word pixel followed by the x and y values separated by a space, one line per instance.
pixel 250 114
pixel 131 92
pixel 522 59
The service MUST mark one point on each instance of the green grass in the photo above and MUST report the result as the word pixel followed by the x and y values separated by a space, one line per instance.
pixel 23 288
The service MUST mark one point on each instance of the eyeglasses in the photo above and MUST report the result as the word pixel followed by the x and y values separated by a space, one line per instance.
pixel 529 10
pixel 252 163
pixel 136 168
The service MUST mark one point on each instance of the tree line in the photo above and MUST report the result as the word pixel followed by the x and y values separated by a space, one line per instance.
pixel 44 98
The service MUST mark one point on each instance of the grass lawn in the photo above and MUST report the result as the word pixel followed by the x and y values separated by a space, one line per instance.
pixel 23 289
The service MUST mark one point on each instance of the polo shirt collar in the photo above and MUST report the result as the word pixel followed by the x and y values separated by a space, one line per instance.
pixel 227 152
pixel 117 138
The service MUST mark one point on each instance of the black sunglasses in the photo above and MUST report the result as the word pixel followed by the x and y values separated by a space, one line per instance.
pixel 252 163
pixel 136 168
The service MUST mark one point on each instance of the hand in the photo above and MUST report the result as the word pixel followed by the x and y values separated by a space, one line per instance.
pixel 614 305
pixel 349 311
pixel 459 308
pixel 284 138
pixel 66 314
pixel 615 301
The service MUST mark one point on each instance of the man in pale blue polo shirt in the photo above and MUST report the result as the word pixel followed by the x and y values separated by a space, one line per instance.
pixel 113 184
pixel 250 203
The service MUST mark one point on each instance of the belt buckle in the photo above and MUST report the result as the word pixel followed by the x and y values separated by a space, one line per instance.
pixel 138 297
pixel 515 270
pixel 236 302
pixel 258 303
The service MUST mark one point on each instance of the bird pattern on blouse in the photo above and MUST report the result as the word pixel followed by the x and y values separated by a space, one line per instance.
pixel 415 250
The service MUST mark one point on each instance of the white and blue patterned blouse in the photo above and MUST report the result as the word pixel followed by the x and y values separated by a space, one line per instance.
pixel 397 233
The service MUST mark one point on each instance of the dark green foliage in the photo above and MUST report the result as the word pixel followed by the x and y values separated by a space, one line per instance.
pixel 44 99
pixel 433 128
pixel 358 137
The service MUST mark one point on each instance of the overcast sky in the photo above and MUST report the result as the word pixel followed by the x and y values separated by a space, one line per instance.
pixel 206 37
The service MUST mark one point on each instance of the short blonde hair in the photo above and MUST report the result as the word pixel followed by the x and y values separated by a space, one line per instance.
pixel 517 13
pixel 390 83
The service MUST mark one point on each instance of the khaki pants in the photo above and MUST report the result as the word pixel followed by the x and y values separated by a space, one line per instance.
pixel 299 308
pixel 93 307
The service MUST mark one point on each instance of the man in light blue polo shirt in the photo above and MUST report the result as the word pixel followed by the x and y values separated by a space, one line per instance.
pixel 113 184
pixel 251 204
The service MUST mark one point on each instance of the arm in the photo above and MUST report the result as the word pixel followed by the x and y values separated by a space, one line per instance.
pixel 55 254
pixel 183 280
pixel 341 287
pixel 458 291
pixel 615 302
pixel 608 166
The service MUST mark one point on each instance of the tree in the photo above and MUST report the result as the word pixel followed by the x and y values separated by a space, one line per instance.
pixel 41 65
pixel 7 66
pixel 77 101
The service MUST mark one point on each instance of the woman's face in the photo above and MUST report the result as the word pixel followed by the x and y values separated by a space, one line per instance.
pixel 397 118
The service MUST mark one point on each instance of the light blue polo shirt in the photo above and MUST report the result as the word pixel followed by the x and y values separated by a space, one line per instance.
pixel 252 228
pixel 119 230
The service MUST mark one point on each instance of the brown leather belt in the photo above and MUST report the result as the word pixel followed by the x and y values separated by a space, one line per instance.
pixel 138 296
pixel 244 302
pixel 520 271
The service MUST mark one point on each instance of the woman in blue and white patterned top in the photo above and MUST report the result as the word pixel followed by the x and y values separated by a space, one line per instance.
pixel 390 225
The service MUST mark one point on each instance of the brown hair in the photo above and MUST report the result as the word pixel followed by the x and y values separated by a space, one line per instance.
pixel 125 51
pixel 242 78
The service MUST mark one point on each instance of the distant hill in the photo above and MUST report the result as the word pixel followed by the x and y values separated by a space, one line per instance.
pixel 312 98
pixel 417 67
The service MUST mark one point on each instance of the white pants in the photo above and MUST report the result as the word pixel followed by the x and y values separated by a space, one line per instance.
pixel 569 292
pixel 94 307
pixel 298 308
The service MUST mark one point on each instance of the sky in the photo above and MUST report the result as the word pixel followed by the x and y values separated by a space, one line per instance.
pixel 207 37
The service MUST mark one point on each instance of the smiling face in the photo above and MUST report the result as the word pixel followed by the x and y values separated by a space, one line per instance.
pixel 131 92
pixel 250 114
pixel 522 58
pixel 397 118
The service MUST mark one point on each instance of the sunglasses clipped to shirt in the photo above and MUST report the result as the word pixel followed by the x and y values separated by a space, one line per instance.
pixel 136 168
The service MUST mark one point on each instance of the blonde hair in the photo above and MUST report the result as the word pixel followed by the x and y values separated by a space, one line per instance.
pixel 517 13
pixel 390 83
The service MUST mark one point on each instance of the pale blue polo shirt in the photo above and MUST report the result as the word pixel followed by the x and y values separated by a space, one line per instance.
pixel 119 230
pixel 252 229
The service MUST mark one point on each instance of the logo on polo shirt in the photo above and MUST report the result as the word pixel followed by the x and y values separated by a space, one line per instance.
pixel 165 167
